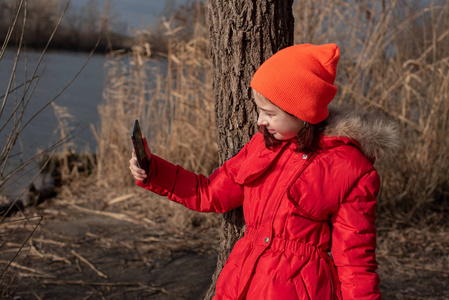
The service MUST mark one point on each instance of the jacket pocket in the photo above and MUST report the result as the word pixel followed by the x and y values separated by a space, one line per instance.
pixel 311 201
pixel 317 280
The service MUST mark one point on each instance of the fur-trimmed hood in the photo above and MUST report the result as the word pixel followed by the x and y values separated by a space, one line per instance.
pixel 377 135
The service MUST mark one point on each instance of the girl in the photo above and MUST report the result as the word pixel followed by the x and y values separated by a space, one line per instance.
pixel 306 182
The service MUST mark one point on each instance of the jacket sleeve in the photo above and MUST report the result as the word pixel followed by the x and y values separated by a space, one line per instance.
pixel 218 193
pixel 354 240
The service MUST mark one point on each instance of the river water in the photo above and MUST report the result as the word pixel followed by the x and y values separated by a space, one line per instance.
pixel 80 99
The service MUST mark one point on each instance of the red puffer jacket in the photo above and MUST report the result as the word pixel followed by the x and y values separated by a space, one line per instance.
pixel 297 208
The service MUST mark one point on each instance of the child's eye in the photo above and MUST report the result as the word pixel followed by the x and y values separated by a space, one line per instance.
pixel 268 114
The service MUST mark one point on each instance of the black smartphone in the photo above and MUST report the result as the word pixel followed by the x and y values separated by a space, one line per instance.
pixel 139 148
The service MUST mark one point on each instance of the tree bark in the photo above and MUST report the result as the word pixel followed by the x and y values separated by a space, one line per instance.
pixel 243 34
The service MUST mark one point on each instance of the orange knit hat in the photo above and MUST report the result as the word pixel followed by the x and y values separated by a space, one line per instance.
pixel 300 80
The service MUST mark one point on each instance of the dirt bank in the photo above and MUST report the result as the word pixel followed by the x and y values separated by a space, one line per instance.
pixel 88 244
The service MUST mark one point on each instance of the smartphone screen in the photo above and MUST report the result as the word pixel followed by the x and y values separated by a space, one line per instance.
pixel 139 148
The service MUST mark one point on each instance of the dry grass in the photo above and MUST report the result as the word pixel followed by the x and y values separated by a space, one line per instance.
pixel 173 102
pixel 395 58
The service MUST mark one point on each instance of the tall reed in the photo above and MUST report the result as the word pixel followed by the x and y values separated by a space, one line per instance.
pixel 395 57
pixel 172 98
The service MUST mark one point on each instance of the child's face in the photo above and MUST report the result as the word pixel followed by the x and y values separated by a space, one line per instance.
pixel 278 123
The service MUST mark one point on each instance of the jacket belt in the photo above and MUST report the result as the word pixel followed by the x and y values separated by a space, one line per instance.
pixel 257 236
pixel 262 239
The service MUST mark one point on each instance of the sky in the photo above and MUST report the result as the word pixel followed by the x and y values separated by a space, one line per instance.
pixel 137 13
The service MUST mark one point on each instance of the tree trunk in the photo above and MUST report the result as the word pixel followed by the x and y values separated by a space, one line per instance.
pixel 243 34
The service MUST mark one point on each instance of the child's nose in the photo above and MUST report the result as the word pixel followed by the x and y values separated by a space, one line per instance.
pixel 261 121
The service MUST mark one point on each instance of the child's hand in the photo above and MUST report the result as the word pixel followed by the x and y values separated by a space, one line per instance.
pixel 136 171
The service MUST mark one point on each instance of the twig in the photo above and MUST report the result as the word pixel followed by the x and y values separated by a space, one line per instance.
pixel 89 264
pixel 16 61
pixel 47 241
pixel 34 251
pixel 20 267
pixel 11 263
pixel 73 78
pixel 20 85
pixel 10 30
pixel 120 199
pixel 118 216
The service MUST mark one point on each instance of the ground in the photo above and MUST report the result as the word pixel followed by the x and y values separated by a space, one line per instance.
pixel 88 244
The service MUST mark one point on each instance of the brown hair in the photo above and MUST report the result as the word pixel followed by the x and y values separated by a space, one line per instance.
pixel 307 139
